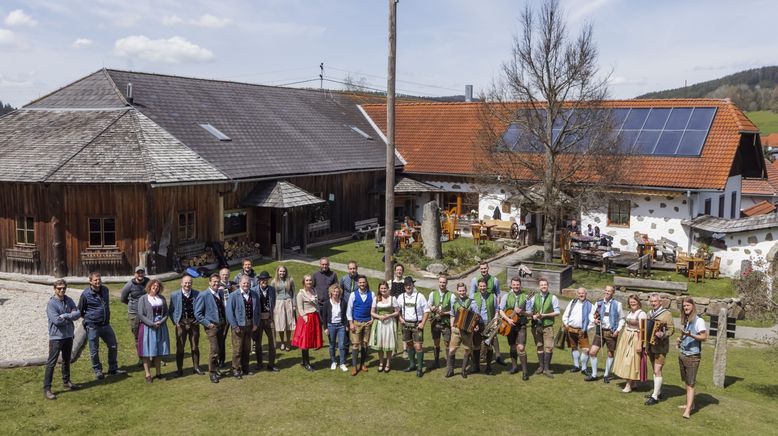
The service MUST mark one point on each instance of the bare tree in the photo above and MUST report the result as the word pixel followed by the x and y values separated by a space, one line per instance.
pixel 546 129
pixel 352 84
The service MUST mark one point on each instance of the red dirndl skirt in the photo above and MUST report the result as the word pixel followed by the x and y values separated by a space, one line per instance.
pixel 307 334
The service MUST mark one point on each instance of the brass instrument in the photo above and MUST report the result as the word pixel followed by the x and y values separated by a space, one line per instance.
pixel 491 329
pixel 466 320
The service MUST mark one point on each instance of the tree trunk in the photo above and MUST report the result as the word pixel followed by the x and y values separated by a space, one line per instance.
pixel 548 237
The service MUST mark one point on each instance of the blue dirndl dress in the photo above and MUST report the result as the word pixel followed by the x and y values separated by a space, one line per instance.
pixel 154 342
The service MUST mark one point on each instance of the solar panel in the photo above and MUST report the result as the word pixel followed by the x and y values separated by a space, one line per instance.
pixel 679 131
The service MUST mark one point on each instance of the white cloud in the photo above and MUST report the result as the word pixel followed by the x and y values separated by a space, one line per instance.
pixel 19 81
pixel 82 42
pixel 19 18
pixel 621 80
pixel 579 9
pixel 172 20
pixel 9 40
pixel 172 50
pixel 211 21
pixel 207 20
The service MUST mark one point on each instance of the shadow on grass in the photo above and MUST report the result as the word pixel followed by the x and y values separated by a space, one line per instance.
pixel 703 400
pixel 767 390
pixel 730 380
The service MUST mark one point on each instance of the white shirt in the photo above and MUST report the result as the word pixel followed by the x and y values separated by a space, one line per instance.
pixel 335 312
pixel 186 294
pixel 362 296
pixel 574 317
pixel 155 301
pixel 412 307
pixel 441 296
pixel 245 295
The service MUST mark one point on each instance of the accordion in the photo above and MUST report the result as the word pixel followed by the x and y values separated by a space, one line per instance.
pixel 466 320
pixel 648 330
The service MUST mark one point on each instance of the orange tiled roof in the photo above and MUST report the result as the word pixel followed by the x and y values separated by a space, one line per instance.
pixel 768 186
pixel 440 138
pixel 771 139
pixel 761 208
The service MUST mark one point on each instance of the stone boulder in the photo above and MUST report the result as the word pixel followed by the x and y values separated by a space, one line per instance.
pixel 437 268
pixel 431 231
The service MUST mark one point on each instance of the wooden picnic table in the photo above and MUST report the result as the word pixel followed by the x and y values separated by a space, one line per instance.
pixel 646 246
pixel 594 255
pixel 488 228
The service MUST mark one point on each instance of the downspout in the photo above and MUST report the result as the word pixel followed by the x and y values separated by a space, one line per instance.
pixel 690 202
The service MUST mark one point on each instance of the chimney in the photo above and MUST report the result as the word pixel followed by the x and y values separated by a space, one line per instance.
pixel 468 93
pixel 129 92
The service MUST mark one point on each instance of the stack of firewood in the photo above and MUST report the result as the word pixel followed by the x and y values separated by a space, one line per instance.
pixel 234 249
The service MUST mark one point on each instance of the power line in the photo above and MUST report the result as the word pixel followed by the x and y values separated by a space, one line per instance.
pixel 404 81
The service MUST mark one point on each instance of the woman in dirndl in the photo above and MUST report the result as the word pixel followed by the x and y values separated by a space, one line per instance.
pixel 283 314
pixel 153 338
pixel 383 334
pixel 307 332
pixel 629 350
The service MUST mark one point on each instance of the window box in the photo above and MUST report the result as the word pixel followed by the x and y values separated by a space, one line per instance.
pixel 23 254
pixel 108 256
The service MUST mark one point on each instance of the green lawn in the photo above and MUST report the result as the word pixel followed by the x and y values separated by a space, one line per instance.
pixel 294 401
pixel 366 255
pixel 721 287
pixel 767 121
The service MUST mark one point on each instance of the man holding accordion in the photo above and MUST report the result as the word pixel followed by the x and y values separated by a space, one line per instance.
pixel 463 322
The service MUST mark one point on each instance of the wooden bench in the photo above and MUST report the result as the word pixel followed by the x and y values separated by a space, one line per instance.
pixel 677 288
pixel 365 228
pixel 319 227
pixel 668 248
pixel 641 268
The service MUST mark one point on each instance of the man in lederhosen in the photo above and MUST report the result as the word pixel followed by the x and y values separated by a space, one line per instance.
pixel 358 314
pixel 440 311
pixel 608 319
pixel 492 285
pixel 545 307
pixel 181 312
pixel 516 300
pixel 267 303
pixel 459 336
pixel 486 304
pixel 657 353
pixel 413 315
pixel 576 321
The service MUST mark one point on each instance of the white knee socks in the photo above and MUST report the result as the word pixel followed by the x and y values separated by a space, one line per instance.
pixel 608 364
pixel 657 387
pixel 584 360
pixel 593 360
pixel 576 357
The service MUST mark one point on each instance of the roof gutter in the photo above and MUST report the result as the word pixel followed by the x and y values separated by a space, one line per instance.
pixel 261 179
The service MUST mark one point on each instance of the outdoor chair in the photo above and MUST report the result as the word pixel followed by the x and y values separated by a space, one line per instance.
pixel 697 271
pixel 680 262
pixel 713 269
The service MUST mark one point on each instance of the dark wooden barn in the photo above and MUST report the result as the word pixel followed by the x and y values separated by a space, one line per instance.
pixel 122 168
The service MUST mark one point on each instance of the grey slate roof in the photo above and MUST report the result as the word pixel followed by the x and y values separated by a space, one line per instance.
pixel 720 225
pixel 407 185
pixel 279 195
pixel 94 146
pixel 95 91
pixel 275 132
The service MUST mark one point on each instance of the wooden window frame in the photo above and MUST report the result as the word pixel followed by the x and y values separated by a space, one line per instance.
pixel 733 206
pixel 722 200
pixel 28 226
pixel 188 231
pixel 102 231
pixel 621 206
pixel 707 207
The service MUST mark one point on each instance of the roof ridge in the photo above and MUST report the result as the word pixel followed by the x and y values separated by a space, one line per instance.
pixel 115 88
pixel 717 101
pixel 82 148
pixel 220 81
pixel 61 88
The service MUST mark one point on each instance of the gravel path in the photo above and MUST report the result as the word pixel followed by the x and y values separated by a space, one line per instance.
pixel 23 323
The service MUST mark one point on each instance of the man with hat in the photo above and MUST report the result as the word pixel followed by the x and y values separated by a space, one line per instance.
pixel 132 291
pixel 413 315
pixel 267 303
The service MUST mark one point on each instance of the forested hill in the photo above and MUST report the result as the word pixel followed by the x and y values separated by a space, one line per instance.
pixel 751 90
pixel 5 108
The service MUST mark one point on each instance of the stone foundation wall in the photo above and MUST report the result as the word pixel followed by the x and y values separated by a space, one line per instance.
pixel 705 306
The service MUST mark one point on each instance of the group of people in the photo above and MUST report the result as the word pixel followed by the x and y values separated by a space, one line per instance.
pixel 251 307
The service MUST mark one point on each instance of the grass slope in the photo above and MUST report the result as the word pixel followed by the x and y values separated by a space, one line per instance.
pixel 767 121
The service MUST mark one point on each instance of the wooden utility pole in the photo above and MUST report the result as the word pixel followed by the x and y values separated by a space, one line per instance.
pixel 389 215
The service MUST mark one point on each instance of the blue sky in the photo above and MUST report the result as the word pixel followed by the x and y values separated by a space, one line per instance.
pixel 442 44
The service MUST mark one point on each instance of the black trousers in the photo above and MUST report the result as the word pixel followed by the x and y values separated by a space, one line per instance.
pixel 265 327
pixel 57 346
